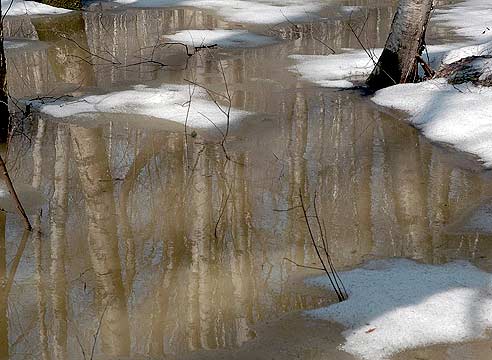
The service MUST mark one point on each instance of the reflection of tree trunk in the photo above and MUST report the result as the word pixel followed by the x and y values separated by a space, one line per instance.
pixel 200 236
pixel 175 249
pixel 145 154
pixel 363 142
pixel 37 240
pixel 4 324
pixel 4 99
pixel 439 195
pixel 297 172
pixel 242 264
pixel 58 237
pixel 410 194
pixel 95 178
pixel 67 57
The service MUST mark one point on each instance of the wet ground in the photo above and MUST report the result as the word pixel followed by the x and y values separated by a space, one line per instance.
pixel 158 243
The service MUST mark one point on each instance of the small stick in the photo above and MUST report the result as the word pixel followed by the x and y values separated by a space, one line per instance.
pixel 427 69
pixel 10 186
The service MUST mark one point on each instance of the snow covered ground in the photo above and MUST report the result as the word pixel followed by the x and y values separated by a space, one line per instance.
pixel 21 7
pixel 168 102
pixel 221 38
pixel 245 11
pixel 398 304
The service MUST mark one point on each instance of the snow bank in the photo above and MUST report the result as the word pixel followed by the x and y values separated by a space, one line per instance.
pixel 458 115
pixel 467 51
pixel 168 102
pixel 334 70
pixel 220 37
pixel 244 11
pixel 398 304
pixel 21 7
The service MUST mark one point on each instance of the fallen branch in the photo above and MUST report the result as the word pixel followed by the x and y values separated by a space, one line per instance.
pixel 427 69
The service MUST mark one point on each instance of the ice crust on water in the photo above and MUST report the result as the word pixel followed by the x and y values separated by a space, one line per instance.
pixel 399 304
pixel 21 7
pixel 167 102
pixel 220 37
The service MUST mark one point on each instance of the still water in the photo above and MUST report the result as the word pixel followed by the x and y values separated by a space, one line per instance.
pixel 153 242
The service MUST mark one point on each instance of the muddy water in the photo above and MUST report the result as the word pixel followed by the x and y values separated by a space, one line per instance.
pixel 153 242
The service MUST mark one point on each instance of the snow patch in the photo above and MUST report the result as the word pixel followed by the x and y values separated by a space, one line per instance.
pixel 334 70
pixel 455 114
pixel 168 102
pixel 398 304
pixel 220 37
pixel 21 7
pixel 340 70
pixel 244 11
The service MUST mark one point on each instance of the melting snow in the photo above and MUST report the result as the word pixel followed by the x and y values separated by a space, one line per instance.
pixel 168 102
pixel 222 38
pixel 334 70
pixel 398 304
pixel 21 7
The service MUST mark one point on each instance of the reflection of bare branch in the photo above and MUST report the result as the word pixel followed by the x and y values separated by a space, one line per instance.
pixel 303 266
pixel 16 260
pixel 5 175
pixel 98 330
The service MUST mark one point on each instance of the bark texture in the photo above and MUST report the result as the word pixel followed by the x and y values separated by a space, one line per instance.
pixel 397 63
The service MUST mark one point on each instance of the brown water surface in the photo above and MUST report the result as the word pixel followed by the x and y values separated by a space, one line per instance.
pixel 155 243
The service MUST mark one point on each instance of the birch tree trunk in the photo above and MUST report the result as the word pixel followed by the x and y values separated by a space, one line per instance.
pixel 397 63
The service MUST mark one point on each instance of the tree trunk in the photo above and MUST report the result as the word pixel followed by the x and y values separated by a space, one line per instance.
pixel 4 99
pixel 397 63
